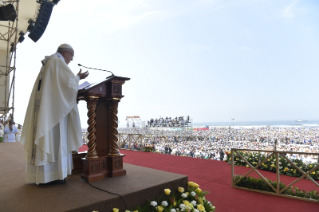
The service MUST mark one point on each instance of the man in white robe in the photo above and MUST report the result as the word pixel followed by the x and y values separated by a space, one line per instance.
pixel 51 129
pixel 18 134
pixel 10 131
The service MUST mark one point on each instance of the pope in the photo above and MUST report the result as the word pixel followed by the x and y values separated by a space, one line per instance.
pixel 51 129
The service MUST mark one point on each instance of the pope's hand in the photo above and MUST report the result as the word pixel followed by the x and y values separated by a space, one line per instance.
pixel 83 75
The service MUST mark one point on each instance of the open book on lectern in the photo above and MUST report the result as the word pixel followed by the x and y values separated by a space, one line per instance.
pixel 87 85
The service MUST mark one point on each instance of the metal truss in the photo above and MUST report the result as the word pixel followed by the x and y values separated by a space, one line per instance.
pixel 9 34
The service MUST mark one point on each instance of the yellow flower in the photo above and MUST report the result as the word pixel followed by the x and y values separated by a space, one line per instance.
pixel 187 193
pixel 159 208
pixel 186 203
pixel 191 184
pixel 135 211
pixel 127 211
pixel 180 189
pixel 196 185
pixel 200 207
pixel 310 166
pixel 198 190
pixel 247 166
pixel 200 200
pixel 116 210
pixel 167 191
pixel 272 165
pixel 313 172
pixel 268 159
pixel 286 169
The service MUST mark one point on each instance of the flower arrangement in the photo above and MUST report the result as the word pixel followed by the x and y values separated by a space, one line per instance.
pixel 192 200
pixel 260 184
pixel 149 148
pixel 285 168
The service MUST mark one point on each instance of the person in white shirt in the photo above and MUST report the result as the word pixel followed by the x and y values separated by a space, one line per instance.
pixel 9 132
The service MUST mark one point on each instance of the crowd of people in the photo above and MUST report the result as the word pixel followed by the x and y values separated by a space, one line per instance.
pixel 9 132
pixel 216 142
pixel 169 122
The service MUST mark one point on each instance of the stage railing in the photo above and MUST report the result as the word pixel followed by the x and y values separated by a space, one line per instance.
pixel 277 190
pixel 129 140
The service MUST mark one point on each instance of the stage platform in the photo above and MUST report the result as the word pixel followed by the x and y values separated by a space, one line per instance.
pixel 137 186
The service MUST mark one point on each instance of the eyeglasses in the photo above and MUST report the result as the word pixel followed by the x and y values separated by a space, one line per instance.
pixel 70 54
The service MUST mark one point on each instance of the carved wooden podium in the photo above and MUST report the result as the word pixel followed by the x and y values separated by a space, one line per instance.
pixel 103 158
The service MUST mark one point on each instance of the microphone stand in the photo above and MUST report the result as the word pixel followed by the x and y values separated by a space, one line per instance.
pixel 97 69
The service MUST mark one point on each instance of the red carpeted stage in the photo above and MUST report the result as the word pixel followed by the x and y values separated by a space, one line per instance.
pixel 137 186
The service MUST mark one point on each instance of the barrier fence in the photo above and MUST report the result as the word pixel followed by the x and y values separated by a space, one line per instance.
pixel 278 190
pixel 128 141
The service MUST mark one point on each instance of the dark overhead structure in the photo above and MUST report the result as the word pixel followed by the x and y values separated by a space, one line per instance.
pixel 8 13
pixel 37 28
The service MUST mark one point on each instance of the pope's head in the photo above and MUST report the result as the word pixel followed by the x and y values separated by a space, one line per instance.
pixel 67 52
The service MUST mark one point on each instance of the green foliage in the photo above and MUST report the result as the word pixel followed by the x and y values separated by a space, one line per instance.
pixel 285 168
pixel 1 139
pixel 260 184
pixel 149 148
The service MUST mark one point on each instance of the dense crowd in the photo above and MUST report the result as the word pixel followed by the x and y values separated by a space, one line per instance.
pixel 216 142
pixel 169 122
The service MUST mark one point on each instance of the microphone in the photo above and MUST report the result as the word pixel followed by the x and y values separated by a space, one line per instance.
pixel 96 69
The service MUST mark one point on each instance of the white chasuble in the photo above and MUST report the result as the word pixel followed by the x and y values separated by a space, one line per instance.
pixel 51 129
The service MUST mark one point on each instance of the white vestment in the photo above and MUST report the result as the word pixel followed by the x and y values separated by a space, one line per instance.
pixel 51 129
pixel 9 135
pixel 18 135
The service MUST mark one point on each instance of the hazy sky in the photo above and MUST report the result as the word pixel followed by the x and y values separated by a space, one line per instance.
pixel 251 60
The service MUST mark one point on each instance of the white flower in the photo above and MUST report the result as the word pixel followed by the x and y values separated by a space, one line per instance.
pixel 193 193
pixel 153 203
pixel 195 210
pixel 182 206
pixel 203 198
pixel 184 195
pixel 193 202
pixel 164 203
pixel 172 210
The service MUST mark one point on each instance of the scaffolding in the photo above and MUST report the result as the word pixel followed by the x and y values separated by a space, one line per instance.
pixel 9 39
pixel 134 121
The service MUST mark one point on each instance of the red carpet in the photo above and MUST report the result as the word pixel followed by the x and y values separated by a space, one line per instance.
pixel 215 176
pixel 83 148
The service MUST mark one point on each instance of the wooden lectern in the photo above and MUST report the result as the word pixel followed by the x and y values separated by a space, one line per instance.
pixel 103 158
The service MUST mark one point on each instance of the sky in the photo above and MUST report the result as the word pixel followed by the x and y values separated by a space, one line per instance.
pixel 214 60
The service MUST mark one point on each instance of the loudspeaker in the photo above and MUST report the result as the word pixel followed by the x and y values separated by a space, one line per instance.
pixel 42 21
pixel 8 13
